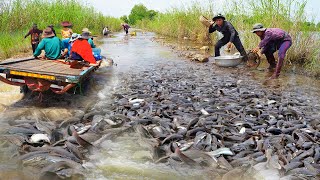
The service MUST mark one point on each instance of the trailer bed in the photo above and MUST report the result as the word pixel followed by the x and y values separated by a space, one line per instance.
pixel 43 69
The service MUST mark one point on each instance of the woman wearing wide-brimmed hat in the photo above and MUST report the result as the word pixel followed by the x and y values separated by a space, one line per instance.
pixel 51 44
pixel 66 31
pixel 81 49
pixel 272 39
pixel 230 35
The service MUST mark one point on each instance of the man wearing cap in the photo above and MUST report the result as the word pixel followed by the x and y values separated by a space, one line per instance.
pixel 35 36
pixel 81 49
pixel 230 35
pixel 51 44
pixel 272 39
pixel 89 40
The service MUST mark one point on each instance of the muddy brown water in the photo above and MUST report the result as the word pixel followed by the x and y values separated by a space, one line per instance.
pixel 125 157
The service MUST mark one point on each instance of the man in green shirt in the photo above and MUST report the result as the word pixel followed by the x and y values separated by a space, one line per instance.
pixel 51 44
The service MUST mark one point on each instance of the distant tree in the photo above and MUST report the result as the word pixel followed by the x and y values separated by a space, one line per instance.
pixel 124 18
pixel 152 14
pixel 140 12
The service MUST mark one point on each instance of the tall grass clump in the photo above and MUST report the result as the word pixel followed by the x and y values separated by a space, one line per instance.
pixel 11 43
pixel 17 17
pixel 289 15
pixel 180 22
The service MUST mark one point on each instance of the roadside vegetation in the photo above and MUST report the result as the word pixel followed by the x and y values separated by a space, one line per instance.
pixel 17 17
pixel 289 15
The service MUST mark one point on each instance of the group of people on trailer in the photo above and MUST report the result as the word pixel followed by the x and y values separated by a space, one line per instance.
pixel 272 39
pixel 71 45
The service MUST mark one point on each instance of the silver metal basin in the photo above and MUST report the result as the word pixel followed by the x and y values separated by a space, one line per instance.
pixel 228 61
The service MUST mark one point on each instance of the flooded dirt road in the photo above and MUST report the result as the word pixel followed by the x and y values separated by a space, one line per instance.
pixel 151 73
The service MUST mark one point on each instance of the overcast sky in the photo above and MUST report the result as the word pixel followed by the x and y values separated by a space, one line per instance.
pixel 118 8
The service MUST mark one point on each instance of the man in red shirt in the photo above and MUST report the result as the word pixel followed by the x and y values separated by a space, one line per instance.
pixel 81 49
pixel 35 36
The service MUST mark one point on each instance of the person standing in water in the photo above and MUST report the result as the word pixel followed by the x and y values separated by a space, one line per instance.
pixel 272 39
pixel 230 35
pixel 125 27
pixel 105 31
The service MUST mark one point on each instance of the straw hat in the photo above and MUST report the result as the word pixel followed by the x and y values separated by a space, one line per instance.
pixel 48 32
pixel 86 30
pixel 66 23
pixel 258 27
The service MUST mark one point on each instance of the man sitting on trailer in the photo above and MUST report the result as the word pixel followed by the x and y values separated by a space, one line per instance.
pixel 51 44
pixel 81 49
pixel 86 30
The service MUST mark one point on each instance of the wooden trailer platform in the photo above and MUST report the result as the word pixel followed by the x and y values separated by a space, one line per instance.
pixel 56 73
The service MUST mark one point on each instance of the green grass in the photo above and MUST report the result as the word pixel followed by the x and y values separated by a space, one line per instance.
pixel 12 44
pixel 17 17
pixel 180 22
pixel 289 15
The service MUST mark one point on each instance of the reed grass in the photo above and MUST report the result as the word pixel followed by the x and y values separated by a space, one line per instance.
pixel 180 22
pixel 289 15
pixel 17 17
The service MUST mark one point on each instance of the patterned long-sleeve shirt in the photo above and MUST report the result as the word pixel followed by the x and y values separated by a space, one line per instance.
pixel 273 35
pixel 35 35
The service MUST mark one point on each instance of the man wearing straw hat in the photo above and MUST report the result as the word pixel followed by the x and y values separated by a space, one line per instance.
pixel 51 44
pixel 230 35
pixel 272 39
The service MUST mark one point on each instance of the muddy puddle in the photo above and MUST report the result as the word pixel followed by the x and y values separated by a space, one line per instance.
pixel 139 62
